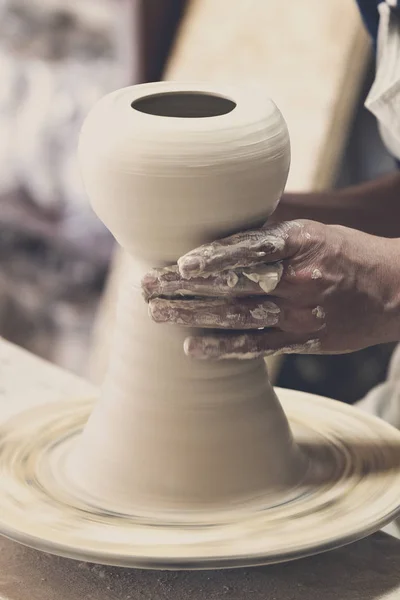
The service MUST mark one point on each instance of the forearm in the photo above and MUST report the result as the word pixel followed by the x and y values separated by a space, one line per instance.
pixel 373 207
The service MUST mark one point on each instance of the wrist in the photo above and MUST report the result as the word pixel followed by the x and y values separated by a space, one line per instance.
pixel 389 281
pixel 324 207
pixel 372 207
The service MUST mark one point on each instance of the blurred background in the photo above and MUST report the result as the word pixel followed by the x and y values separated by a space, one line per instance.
pixel 57 58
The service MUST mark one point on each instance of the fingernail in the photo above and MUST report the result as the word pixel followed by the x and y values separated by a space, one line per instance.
pixel 150 283
pixel 149 279
pixel 190 266
pixel 201 348
pixel 159 312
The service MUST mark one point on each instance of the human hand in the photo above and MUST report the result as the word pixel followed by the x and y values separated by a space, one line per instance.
pixel 292 287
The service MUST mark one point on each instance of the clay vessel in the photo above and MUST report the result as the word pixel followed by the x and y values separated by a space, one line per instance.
pixel 169 166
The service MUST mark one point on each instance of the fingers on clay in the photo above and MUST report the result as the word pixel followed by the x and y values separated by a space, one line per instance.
pixel 250 345
pixel 216 313
pixel 254 281
pixel 241 250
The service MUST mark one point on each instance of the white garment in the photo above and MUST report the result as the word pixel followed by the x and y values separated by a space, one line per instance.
pixel 384 102
pixel 384 97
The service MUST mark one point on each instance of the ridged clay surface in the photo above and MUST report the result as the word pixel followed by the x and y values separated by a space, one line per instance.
pixel 169 432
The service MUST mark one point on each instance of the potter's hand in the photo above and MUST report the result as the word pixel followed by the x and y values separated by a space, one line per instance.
pixel 297 286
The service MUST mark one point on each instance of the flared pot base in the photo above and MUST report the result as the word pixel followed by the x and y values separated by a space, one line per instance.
pixel 350 490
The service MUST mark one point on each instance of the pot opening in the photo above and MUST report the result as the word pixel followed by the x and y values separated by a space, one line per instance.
pixel 184 105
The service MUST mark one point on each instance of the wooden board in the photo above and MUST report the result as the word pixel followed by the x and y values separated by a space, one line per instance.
pixel 311 54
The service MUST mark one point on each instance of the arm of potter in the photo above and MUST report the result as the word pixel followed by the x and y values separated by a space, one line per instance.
pixel 373 207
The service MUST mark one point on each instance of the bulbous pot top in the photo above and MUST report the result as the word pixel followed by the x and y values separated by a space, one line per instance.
pixel 168 165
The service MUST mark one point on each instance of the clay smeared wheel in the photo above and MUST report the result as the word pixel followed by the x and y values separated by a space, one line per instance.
pixel 351 490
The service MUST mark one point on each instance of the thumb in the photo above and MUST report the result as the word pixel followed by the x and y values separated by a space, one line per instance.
pixel 270 244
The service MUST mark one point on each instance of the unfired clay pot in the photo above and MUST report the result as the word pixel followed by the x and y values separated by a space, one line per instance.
pixel 169 166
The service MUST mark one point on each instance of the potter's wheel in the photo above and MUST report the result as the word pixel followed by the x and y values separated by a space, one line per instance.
pixel 351 489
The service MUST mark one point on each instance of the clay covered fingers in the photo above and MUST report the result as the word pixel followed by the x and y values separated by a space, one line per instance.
pixel 227 285
pixel 234 313
pixel 297 286
pixel 253 281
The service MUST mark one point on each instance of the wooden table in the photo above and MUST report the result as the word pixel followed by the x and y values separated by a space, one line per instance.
pixel 366 570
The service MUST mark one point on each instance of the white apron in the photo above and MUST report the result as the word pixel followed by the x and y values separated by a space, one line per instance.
pixel 384 102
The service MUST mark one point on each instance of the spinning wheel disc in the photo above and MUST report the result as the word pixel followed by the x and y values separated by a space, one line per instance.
pixel 351 490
